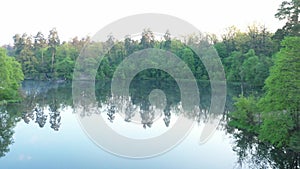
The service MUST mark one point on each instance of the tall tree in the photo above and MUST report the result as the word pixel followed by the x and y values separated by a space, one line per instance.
pixel 39 41
pixel 289 11
pixel 147 40
pixel 53 42
pixel 281 103
pixel 24 53
pixel 19 43
pixel 228 38
pixel 259 39
pixel 128 44
pixel 39 44
pixel 167 42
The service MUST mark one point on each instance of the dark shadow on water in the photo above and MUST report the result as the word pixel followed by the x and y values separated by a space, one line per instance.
pixel 252 153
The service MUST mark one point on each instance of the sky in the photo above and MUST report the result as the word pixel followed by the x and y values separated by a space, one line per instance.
pixel 85 17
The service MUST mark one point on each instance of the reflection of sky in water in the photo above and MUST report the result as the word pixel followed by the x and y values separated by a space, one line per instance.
pixel 69 147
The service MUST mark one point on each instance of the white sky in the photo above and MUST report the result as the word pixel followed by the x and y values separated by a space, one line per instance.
pixel 86 17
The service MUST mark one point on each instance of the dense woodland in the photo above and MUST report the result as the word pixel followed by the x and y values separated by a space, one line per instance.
pixel 255 57
pixel 274 117
pixel 244 54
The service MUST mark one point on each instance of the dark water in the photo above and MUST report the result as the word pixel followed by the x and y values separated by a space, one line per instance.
pixel 43 131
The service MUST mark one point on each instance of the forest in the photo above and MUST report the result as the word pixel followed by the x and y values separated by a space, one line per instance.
pixel 274 116
pixel 255 58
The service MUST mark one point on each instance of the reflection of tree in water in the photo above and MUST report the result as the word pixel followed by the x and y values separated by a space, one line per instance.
pixel 38 96
pixel 27 116
pixel 40 116
pixel 147 113
pixel 54 116
pixel 255 154
pixel 8 120
pixel 147 117
pixel 111 113
pixel 252 153
pixel 129 110
pixel 120 104
pixel 167 118
pixel 45 100
pixel 137 104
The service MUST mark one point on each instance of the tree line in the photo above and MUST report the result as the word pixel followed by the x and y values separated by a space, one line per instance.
pixel 246 56
pixel 45 58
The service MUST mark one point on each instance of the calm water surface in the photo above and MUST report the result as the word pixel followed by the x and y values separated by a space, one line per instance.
pixel 43 132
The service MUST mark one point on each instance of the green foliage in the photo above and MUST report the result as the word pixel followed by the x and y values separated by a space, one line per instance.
pixel 65 61
pixel 188 58
pixel 283 85
pixel 221 49
pixel 276 128
pixel 255 69
pixel 289 11
pixel 294 141
pixel 11 76
pixel 246 55
pixel 64 68
pixel 246 115
pixel 280 105
pixel 53 43
pixel 233 70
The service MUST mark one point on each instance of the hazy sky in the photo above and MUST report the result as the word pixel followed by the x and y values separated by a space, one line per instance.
pixel 86 17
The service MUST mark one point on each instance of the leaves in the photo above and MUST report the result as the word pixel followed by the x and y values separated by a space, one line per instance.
pixel 283 85
pixel 289 11
pixel 246 116
pixel 11 76
pixel 280 105
pixel 276 128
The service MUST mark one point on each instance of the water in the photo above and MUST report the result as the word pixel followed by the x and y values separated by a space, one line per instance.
pixel 44 132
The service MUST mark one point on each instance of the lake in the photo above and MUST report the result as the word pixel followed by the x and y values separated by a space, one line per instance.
pixel 46 131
